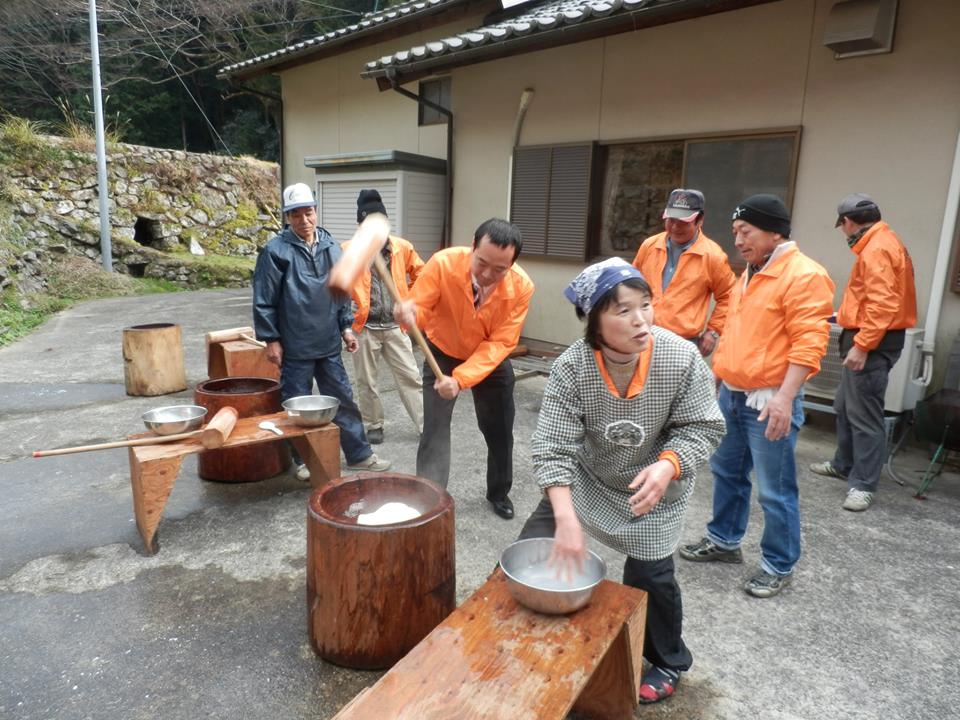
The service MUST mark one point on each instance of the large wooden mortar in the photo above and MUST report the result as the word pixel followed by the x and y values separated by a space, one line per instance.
pixel 251 396
pixel 153 360
pixel 374 592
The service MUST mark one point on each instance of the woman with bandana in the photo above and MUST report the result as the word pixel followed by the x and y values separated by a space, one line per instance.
pixel 628 415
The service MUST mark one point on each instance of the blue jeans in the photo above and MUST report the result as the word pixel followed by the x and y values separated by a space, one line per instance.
pixel 296 378
pixel 744 448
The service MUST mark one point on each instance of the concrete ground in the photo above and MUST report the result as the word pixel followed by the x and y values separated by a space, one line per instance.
pixel 214 624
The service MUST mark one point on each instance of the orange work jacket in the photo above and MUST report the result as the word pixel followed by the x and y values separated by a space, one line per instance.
pixel 880 294
pixel 703 270
pixel 778 319
pixel 482 338
pixel 404 263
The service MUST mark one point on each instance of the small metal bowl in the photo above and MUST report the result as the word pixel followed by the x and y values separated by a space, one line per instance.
pixel 537 586
pixel 174 419
pixel 311 410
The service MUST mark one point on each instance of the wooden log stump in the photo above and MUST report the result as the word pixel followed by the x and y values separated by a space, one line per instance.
pixel 375 591
pixel 250 396
pixel 153 359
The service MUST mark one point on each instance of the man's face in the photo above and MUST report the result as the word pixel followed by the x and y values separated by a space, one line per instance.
pixel 847 227
pixel 490 263
pixel 681 232
pixel 303 221
pixel 753 243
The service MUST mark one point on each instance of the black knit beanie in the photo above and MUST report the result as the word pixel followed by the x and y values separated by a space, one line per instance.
pixel 766 212
pixel 369 201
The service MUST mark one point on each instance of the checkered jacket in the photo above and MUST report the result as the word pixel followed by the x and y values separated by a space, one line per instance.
pixel 596 442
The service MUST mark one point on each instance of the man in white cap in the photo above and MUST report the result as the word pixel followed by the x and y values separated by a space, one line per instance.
pixel 879 304
pixel 686 269
pixel 303 323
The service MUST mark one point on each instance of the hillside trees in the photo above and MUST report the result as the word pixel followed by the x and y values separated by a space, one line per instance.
pixel 158 64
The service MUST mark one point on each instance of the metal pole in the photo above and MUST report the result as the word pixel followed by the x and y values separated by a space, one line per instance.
pixel 106 253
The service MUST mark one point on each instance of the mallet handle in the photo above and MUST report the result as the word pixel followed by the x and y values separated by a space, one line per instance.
pixel 381 267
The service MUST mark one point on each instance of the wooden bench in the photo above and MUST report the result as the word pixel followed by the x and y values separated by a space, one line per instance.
pixel 492 658
pixel 154 468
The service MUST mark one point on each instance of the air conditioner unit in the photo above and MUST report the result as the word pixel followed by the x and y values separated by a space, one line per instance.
pixel 904 388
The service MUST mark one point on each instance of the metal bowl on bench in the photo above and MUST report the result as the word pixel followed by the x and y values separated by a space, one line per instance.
pixel 536 585
pixel 311 410
pixel 174 419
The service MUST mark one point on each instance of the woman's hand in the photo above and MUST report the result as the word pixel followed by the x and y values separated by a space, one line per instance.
pixel 569 547
pixel 650 484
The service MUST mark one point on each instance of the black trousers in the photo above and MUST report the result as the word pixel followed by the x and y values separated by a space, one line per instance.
pixel 663 637
pixel 493 403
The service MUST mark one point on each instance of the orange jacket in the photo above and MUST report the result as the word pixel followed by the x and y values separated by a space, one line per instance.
pixel 703 270
pixel 779 319
pixel 481 338
pixel 404 263
pixel 880 294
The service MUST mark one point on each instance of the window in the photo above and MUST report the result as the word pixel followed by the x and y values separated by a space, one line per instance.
pixel 550 199
pixel 436 91
pixel 638 177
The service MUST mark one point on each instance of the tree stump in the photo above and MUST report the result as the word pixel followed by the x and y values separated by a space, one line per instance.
pixel 153 359
pixel 375 591
pixel 250 396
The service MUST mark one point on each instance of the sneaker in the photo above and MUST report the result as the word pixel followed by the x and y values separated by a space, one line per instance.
pixel 708 551
pixel 371 464
pixel 765 585
pixel 657 684
pixel 857 500
pixel 827 469
pixel 302 472
pixel 375 436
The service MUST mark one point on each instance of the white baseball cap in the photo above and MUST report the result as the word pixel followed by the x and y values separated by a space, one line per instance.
pixel 298 196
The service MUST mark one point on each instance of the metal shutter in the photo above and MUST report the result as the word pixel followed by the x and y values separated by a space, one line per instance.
pixel 338 204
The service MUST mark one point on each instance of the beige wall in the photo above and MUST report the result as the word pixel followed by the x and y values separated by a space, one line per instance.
pixel 884 124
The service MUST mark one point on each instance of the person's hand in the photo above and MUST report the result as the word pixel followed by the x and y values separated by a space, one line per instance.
pixel 350 340
pixel 778 413
pixel 650 484
pixel 446 387
pixel 855 359
pixel 275 352
pixel 707 343
pixel 569 547
pixel 405 313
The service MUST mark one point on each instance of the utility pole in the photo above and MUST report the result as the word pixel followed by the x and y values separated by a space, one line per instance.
pixel 106 253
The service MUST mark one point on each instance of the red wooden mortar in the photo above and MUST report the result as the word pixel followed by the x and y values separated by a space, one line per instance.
pixel 251 396
pixel 374 592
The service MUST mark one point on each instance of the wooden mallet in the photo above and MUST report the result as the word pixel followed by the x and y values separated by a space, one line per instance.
pixel 364 248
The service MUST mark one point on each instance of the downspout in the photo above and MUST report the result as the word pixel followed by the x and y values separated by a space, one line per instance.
pixel 948 230
pixel 448 201
pixel 525 98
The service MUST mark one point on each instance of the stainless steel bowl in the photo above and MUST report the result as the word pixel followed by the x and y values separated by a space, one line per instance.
pixel 174 419
pixel 311 410
pixel 537 586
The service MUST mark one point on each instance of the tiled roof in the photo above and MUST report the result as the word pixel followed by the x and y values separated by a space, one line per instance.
pixel 541 18
pixel 370 23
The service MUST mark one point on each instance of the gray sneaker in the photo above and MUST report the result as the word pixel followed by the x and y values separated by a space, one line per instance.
pixel 371 464
pixel 827 469
pixel 765 585
pixel 857 500
pixel 708 551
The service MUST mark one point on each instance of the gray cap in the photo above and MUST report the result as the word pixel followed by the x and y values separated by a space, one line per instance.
pixel 684 205
pixel 854 203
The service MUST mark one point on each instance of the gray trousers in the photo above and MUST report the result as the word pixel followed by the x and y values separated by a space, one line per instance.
pixel 861 432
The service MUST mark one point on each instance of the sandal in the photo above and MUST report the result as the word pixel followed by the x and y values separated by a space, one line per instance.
pixel 657 684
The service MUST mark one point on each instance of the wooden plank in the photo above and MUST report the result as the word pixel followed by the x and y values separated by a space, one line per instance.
pixel 151 483
pixel 494 659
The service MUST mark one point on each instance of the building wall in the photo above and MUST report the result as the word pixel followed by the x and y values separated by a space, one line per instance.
pixel 883 124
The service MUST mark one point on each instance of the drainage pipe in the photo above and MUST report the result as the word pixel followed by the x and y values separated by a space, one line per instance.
pixel 525 98
pixel 448 201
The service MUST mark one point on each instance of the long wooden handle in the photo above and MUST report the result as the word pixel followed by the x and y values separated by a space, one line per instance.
pixel 251 339
pixel 381 267
pixel 220 336
pixel 119 443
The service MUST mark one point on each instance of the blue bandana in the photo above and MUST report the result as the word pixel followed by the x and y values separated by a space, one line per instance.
pixel 597 280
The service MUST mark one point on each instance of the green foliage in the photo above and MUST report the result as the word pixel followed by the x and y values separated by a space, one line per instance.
pixel 249 132
pixel 23 145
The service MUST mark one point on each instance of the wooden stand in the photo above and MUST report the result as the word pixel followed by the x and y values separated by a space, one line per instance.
pixel 239 358
pixel 375 591
pixel 494 659
pixel 153 359
pixel 154 468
